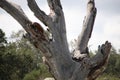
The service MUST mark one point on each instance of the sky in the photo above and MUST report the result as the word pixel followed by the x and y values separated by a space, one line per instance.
pixel 106 27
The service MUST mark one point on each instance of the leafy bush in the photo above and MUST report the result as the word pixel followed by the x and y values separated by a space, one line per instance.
pixel 34 75
pixel 40 73
pixel 16 58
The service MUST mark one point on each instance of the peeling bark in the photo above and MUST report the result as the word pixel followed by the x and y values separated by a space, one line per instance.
pixel 56 53
pixel 86 32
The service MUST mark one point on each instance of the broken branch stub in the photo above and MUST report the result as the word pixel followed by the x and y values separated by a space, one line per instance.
pixel 99 62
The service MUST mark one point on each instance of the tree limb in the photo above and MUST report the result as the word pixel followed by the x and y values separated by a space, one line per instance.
pixel 93 67
pixel 88 23
pixel 33 30
pixel 58 27
pixel 99 61
pixel 60 59
pixel 15 11
pixel 55 6
pixel 38 12
pixel 87 27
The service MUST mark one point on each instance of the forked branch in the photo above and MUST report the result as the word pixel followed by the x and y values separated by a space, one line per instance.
pixel 41 15
pixel 34 30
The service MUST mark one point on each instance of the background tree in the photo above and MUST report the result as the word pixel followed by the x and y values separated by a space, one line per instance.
pixel 56 51
pixel 19 60
pixel 2 51
pixel 114 63
pixel 16 58
pixel 2 41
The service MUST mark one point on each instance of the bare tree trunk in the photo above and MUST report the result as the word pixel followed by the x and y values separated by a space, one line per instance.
pixel 56 53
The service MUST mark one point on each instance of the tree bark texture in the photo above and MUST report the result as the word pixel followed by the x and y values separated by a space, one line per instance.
pixel 55 50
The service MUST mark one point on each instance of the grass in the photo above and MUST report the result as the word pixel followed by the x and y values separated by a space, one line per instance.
pixel 108 77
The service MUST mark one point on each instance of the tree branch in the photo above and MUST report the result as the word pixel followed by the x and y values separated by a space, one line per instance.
pixel 88 23
pixel 58 46
pixel 15 11
pixel 34 30
pixel 58 27
pixel 55 5
pixel 38 12
pixel 99 61
pixel 87 27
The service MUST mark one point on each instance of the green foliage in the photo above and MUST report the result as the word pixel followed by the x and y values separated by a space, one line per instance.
pixel 2 42
pixel 114 63
pixel 20 60
pixel 108 77
pixel 39 73
pixel 44 72
pixel 15 65
pixel 16 58
pixel 33 75
pixel 2 37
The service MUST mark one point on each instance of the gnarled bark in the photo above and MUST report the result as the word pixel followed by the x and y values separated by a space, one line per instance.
pixel 56 53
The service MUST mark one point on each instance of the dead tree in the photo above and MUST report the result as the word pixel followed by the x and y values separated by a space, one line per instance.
pixel 63 66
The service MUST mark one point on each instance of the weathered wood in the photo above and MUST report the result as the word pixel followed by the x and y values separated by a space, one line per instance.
pixel 59 46
pixel 15 11
pixel 99 61
pixel 55 50
pixel 55 5
pixel 86 32
pixel 41 15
